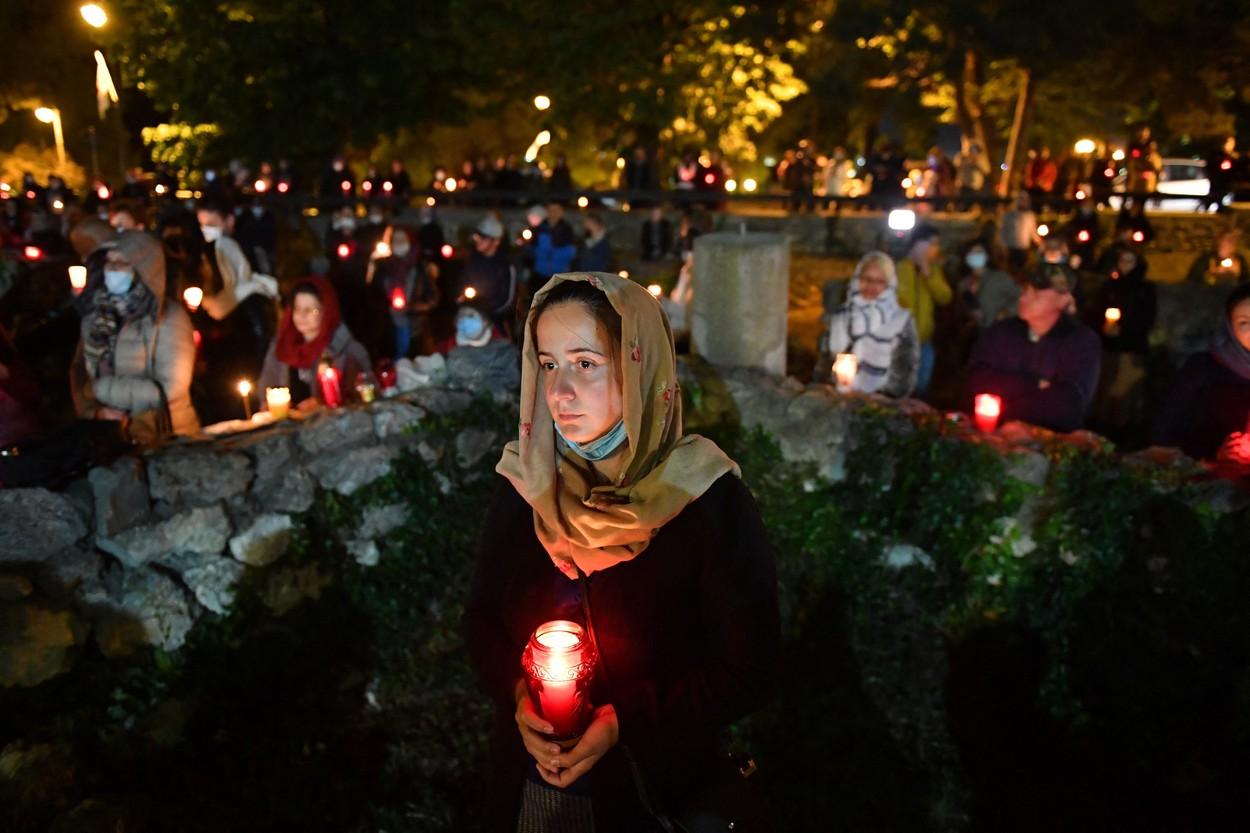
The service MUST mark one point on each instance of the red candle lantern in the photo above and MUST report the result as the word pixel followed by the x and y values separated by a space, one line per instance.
pixel 344 251
pixel 346 185
pixel 1082 236
pixel 331 394
pixel 387 377
pixel 987 409
pixel 399 301
pixel 559 662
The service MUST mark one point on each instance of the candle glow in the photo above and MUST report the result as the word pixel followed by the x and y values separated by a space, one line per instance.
pixel 245 391
pixel 331 394
pixel 845 366
pixel 399 300
pixel 193 296
pixel 987 409
pixel 279 402
pixel 655 289
pixel 78 279
pixel 559 663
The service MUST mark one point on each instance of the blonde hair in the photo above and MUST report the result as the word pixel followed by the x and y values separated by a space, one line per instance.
pixel 883 261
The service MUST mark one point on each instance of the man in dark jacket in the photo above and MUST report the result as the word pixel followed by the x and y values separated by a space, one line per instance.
pixel 489 273
pixel 1044 363
pixel 657 236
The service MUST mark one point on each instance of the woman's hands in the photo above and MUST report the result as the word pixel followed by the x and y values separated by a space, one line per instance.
pixel 1236 449
pixel 560 769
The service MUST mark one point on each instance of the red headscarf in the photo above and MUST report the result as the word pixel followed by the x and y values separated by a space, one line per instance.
pixel 292 349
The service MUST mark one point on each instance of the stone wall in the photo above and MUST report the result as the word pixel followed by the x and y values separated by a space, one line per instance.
pixel 137 552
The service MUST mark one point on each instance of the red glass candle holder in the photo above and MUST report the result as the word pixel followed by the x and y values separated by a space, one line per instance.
pixel 387 377
pixel 987 409
pixel 559 663
pixel 331 393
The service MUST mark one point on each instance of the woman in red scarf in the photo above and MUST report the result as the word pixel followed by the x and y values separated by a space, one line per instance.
pixel 311 330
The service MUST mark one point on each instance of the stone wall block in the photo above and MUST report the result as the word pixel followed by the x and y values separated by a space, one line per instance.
pixel 347 471
pixel 203 530
pixel 263 541
pixel 120 494
pixel 36 524
pixel 333 431
pixel 198 475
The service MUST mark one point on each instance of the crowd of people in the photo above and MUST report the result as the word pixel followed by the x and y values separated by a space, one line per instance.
pixel 183 299
pixel 1059 330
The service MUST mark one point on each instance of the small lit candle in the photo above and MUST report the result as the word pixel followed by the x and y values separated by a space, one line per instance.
pixel 345 185
pixel 78 279
pixel 655 289
pixel 399 301
pixel 624 273
pixel 1043 230
pixel 245 391
pixel 383 249
pixel 559 663
pixel 1111 320
pixel 1226 263
pixel 526 234
pixel 365 388
pixel 1082 236
pixel 279 402
pixel 387 376
pixel 447 251
pixel 331 394
pixel 1139 237
pixel 844 369
pixel 987 408
pixel 470 293
pixel 344 251
pixel 193 296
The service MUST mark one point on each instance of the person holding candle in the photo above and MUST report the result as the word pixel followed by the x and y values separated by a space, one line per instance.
pixel 608 508
pixel 410 291
pixel 876 330
pixel 136 354
pixel 1207 412
pixel 1224 264
pixel 1131 301
pixel 311 329
pixel 1044 363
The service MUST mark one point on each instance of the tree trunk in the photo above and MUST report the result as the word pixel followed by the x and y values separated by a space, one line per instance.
pixel 1015 145
pixel 968 109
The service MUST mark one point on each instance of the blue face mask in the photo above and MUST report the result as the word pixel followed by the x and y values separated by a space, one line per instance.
pixel 599 449
pixel 470 327
pixel 118 281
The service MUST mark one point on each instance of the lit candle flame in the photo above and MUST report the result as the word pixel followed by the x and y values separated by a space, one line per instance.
pixel 193 296
pixel 470 293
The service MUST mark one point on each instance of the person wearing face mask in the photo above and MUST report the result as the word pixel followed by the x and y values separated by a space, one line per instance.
pixel 986 294
pixel 873 327
pixel 256 230
pixel 648 539
pixel 410 290
pixel 311 331
pixel 490 274
pixel 1207 411
pixel 236 316
pixel 136 353
pixel 1043 363
pixel 596 251
pixel 921 287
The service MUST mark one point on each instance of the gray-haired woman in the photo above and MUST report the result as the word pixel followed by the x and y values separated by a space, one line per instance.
pixel 879 332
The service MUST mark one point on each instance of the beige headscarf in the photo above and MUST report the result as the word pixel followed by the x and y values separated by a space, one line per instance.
pixel 589 526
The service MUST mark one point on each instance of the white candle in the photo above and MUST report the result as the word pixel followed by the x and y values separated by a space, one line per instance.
pixel 278 401
pixel 78 279
pixel 844 370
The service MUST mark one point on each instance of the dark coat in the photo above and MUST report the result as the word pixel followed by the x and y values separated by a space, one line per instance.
pixel 1007 363
pixel 689 633
pixel 1207 402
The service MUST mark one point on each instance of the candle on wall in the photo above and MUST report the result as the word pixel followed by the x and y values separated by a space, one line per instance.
pixel 245 391
pixel 279 402
pixel 844 369
pixel 331 394
pixel 559 662
pixel 987 408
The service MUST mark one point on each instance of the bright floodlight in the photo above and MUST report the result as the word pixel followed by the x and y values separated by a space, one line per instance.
pixel 94 14
pixel 901 219
pixel 1085 147
pixel 541 102
pixel 45 114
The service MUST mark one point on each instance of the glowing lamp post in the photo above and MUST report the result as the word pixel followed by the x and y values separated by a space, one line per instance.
pixel 1111 320
pixel 78 279
pixel 193 296
pixel 245 391
pixel 559 663
pixel 94 14
pixel 52 116
pixel 845 366
pixel 987 408
pixel 328 376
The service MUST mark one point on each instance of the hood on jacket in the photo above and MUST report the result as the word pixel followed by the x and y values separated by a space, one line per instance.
pixel 89 234
pixel 147 256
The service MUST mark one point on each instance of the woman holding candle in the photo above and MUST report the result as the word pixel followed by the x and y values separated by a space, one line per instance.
pixel 1207 412
pixel 311 329
pixel 876 330
pixel 607 508
pixel 136 354
pixel 410 291
pixel 1123 313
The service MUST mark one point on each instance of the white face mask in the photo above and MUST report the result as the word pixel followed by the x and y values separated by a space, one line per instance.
pixel 118 281
pixel 401 250
pixel 976 260
pixel 376 219
pixel 344 223
pixel 211 233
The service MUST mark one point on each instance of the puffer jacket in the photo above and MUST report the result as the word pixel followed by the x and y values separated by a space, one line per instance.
pixel 149 351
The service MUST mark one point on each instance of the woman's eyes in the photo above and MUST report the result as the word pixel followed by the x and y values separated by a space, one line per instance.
pixel 583 364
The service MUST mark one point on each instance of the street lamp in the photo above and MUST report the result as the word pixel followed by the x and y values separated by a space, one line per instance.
pixel 541 102
pixel 52 116
pixel 94 14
